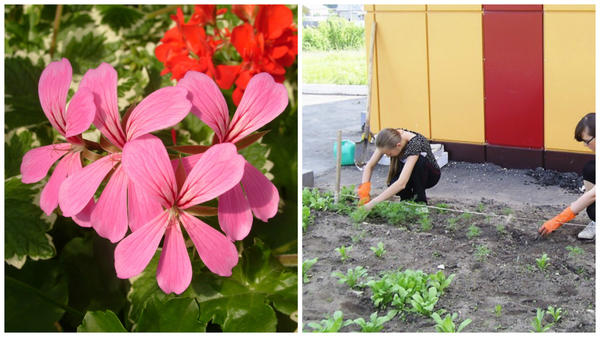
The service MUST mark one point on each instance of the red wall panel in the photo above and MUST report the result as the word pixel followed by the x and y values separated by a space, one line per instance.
pixel 519 8
pixel 513 77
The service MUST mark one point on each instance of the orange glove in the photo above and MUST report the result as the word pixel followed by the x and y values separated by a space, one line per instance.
pixel 551 225
pixel 363 193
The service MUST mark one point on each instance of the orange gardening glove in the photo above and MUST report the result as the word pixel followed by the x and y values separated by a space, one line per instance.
pixel 363 193
pixel 551 225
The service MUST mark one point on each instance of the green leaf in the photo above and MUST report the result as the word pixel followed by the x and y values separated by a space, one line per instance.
pixel 35 296
pixel 101 321
pixel 87 52
pixel 23 107
pixel 119 16
pixel 174 315
pixel 256 154
pixel 16 145
pixel 25 229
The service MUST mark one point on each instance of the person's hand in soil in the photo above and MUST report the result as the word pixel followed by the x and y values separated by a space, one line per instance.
pixel 551 225
pixel 363 193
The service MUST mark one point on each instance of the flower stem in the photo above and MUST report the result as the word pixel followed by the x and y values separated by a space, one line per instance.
pixel 55 30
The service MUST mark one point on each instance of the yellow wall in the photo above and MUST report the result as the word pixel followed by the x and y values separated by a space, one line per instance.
pixel 456 73
pixel 569 73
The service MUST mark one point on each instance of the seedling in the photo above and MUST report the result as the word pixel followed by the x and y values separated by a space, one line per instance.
pixel 466 216
pixel 330 324
pixel 357 237
pixel 444 206
pixel 379 250
pixel 451 226
pixel 507 211
pixel 376 323
pixel 436 254
pixel 538 322
pixel 482 253
pixel 426 225
pixel 555 313
pixel 352 277
pixel 481 207
pixel 305 267
pixel 473 231
pixel 347 194
pixel 573 251
pixel 498 310
pixel 440 282
pixel 501 229
pixel 307 218
pixel 343 251
pixel 447 324
pixel 542 262
pixel 359 215
pixel 423 303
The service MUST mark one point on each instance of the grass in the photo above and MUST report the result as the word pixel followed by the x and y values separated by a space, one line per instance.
pixel 334 67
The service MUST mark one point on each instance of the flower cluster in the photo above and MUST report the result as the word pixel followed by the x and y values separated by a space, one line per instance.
pixel 148 193
pixel 266 41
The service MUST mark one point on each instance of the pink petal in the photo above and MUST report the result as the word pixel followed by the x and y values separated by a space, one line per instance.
pixel 84 218
pixel 36 162
pixel 142 207
pixel 80 113
pixel 77 190
pixel 53 88
pixel 147 164
pixel 190 161
pixel 49 196
pixel 263 100
pixel 102 81
pixel 109 217
pixel 216 251
pixel 261 193
pixel 217 171
pixel 235 217
pixel 134 252
pixel 174 272
pixel 161 109
pixel 208 102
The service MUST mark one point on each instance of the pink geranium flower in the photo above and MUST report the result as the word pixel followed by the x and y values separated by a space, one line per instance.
pixel 161 109
pixel 263 100
pixel 53 88
pixel 147 164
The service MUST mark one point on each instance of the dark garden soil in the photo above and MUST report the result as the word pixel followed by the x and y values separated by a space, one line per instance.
pixel 508 277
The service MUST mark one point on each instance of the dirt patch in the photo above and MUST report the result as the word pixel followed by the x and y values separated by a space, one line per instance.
pixel 568 180
pixel 508 276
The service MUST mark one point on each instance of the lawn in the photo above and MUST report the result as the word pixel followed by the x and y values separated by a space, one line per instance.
pixel 334 67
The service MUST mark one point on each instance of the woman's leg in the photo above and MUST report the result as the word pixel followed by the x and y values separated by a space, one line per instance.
pixel 407 193
pixel 589 181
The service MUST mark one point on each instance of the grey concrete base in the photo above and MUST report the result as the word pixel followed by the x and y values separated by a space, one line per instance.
pixel 333 89
pixel 308 179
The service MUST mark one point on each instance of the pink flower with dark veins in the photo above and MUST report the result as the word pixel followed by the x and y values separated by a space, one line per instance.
pixel 120 204
pixel 147 164
pixel 263 100
pixel 70 122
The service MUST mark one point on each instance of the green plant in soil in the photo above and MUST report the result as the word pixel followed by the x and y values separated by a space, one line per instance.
pixel 466 216
pixel 347 194
pixel 424 302
pixel 542 262
pixel 451 226
pixel 317 201
pixel 556 313
pixel 357 237
pixel 501 229
pixel 379 250
pixel 439 281
pixel 375 324
pixel 473 231
pixel 480 207
pixel 359 215
pixel 352 277
pixel 447 324
pixel 330 324
pixel 482 252
pixel 343 251
pixel 307 218
pixel 444 206
pixel 538 322
pixel 498 310
pixel 306 265
pixel 426 225
pixel 507 211
pixel 574 251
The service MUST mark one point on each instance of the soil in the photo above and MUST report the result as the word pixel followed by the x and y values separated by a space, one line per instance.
pixel 508 277
pixel 568 180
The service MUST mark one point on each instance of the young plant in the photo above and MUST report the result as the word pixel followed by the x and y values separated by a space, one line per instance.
pixel 307 218
pixel 423 302
pixel 538 322
pixel 447 324
pixel 352 277
pixel 555 313
pixel 347 194
pixel 501 229
pixel 542 262
pixel 466 216
pixel 498 310
pixel 426 225
pixel 359 215
pixel 480 207
pixel 306 265
pixel 451 226
pixel 330 324
pixel 379 250
pixel 507 211
pixel 482 252
pixel 357 237
pixel 343 251
pixel 574 251
pixel 439 281
pixel 444 206
pixel 376 323
pixel 473 231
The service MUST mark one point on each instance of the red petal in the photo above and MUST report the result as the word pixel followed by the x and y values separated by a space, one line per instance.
pixel 226 74
pixel 243 40
pixel 244 12
pixel 271 20
pixel 203 14
pixel 237 96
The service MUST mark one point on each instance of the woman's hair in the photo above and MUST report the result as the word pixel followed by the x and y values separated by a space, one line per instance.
pixel 588 121
pixel 388 138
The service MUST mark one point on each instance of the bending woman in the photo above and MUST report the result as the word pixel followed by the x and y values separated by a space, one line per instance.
pixel 585 132
pixel 413 167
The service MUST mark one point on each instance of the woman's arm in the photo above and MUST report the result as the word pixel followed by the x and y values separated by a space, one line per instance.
pixel 584 201
pixel 366 176
pixel 398 185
